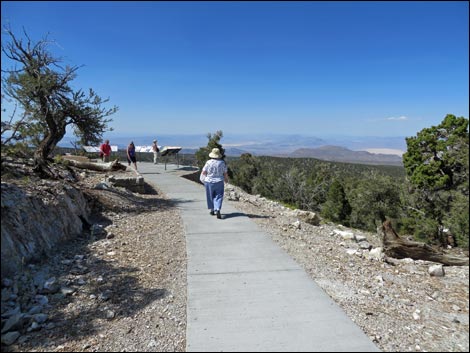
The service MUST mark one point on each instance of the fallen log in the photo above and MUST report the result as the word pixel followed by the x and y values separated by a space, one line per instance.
pixel 101 167
pixel 400 248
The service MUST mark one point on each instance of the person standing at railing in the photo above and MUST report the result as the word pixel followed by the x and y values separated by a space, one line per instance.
pixel 155 150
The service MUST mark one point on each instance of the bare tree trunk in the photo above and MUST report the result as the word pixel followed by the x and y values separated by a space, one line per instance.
pixel 101 167
pixel 41 154
pixel 400 248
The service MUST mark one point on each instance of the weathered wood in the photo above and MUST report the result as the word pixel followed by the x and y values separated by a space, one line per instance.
pixel 400 248
pixel 101 167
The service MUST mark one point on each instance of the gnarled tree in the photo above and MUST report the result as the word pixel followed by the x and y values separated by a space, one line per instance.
pixel 436 164
pixel 41 87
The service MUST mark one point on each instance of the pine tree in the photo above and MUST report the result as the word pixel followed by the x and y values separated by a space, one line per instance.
pixel 436 164
pixel 202 155
pixel 336 208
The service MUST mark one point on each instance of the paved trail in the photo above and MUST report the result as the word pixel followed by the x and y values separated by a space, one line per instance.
pixel 245 294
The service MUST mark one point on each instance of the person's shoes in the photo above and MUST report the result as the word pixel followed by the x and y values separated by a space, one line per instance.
pixel 212 213
pixel 218 215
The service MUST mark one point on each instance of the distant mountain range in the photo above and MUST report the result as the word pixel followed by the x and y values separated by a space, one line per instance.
pixel 341 154
pixel 335 148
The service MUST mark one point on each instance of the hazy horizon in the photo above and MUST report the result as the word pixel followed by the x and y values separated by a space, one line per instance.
pixel 258 142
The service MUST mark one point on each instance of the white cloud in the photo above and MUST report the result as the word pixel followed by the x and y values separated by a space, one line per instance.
pixel 400 118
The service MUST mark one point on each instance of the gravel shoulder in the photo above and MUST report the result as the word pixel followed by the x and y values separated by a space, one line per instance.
pixel 122 284
pixel 397 303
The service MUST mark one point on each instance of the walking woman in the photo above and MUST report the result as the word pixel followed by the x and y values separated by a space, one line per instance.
pixel 131 158
pixel 214 175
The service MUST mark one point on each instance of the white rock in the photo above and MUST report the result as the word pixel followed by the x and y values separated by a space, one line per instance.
pixel 436 270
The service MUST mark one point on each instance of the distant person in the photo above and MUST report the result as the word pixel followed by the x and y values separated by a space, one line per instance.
pixel 155 150
pixel 105 151
pixel 214 175
pixel 131 158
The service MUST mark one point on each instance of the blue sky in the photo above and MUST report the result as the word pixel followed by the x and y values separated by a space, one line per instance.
pixel 314 68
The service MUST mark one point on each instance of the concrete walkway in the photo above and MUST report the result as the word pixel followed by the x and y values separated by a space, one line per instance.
pixel 245 294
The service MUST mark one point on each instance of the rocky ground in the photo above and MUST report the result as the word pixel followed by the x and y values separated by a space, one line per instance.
pixel 397 303
pixel 122 285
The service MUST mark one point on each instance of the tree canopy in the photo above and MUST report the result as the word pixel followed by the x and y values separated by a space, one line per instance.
pixel 435 157
pixel 202 155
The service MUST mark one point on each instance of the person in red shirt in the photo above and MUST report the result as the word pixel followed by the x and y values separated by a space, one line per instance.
pixel 105 151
